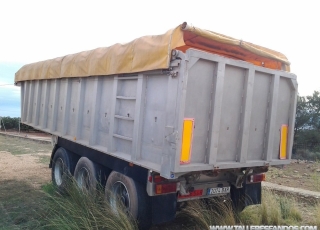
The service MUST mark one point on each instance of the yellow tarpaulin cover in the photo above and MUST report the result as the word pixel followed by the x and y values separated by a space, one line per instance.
pixel 150 53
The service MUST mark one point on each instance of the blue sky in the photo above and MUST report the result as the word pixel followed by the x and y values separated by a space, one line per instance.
pixel 9 94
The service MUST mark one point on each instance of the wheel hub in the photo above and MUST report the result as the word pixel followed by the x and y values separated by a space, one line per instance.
pixel 121 192
pixel 83 179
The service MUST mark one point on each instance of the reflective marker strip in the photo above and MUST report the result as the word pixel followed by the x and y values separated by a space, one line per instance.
pixel 187 135
pixel 283 142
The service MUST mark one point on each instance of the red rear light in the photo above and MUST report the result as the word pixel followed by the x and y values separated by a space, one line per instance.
pixel 158 179
pixel 166 188
pixel 257 178
pixel 194 193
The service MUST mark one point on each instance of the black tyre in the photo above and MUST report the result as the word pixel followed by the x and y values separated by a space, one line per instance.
pixel 62 168
pixel 89 175
pixel 132 195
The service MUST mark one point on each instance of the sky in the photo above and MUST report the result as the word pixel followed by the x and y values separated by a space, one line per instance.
pixel 33 30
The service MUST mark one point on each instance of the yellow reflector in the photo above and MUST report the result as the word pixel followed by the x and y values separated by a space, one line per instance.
pixel 283 142
pixel 187 134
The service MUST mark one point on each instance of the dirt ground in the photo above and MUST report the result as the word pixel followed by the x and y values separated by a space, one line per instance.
pixel 25 168
pixel 299 174
pixel 24 160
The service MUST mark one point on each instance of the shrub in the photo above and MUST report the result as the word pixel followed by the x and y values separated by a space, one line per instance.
pixel 12 123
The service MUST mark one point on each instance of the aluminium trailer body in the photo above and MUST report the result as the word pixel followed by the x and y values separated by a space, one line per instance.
pixel 202 127
pixel 237 112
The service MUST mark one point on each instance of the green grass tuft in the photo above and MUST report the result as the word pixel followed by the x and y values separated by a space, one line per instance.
pixel 213 211
pixel 81 210
pixel 316 221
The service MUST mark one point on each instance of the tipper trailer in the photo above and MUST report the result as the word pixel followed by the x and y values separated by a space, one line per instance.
pixel 189 114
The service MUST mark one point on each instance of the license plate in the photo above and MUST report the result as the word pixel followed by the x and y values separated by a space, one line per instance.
pixel 212 191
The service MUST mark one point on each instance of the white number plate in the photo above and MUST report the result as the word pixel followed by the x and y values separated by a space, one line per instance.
pixel 212 191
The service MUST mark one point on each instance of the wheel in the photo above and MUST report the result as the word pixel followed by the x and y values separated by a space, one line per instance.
pixel 124 190
pixel 132 195
pixel 62 168
pixel 88 175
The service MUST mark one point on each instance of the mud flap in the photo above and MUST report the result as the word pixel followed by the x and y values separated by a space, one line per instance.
pixel 249 194
pixel 164 208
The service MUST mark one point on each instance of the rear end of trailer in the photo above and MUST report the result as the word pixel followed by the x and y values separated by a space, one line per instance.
pixel 186 115
pixel 229 121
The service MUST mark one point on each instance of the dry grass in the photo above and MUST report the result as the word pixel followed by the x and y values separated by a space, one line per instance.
pixel 274 210
pixel 23 207
pixel 316 220
pixel 80 210
pixel 18 146
pixel 203 213
pixel 316 180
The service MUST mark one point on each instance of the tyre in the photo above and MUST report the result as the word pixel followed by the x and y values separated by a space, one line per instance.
pixel 132 195
pixel 62 168
pixel 89 175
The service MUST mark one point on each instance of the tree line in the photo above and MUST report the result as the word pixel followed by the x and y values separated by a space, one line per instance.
pixel 12 123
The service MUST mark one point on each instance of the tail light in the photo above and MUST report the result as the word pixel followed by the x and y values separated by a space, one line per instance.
pixel 166 188
pixel 194 193
pixel 162 185
pixel 257 178
pixel 156 179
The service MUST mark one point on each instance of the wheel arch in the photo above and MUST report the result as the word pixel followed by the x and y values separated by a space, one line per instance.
pixel 55 148
pixel 73 157
pixel 136 172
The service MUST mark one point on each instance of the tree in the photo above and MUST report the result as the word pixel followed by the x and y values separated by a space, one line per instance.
pixel 314 110
pixel 307 125
pixel 302 116
pixel 12 123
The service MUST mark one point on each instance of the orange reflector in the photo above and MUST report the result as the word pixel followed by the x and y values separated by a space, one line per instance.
pixel 257 178
pixel 283 142
pixel 166 188
pixel 159 189
pixel 187 135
